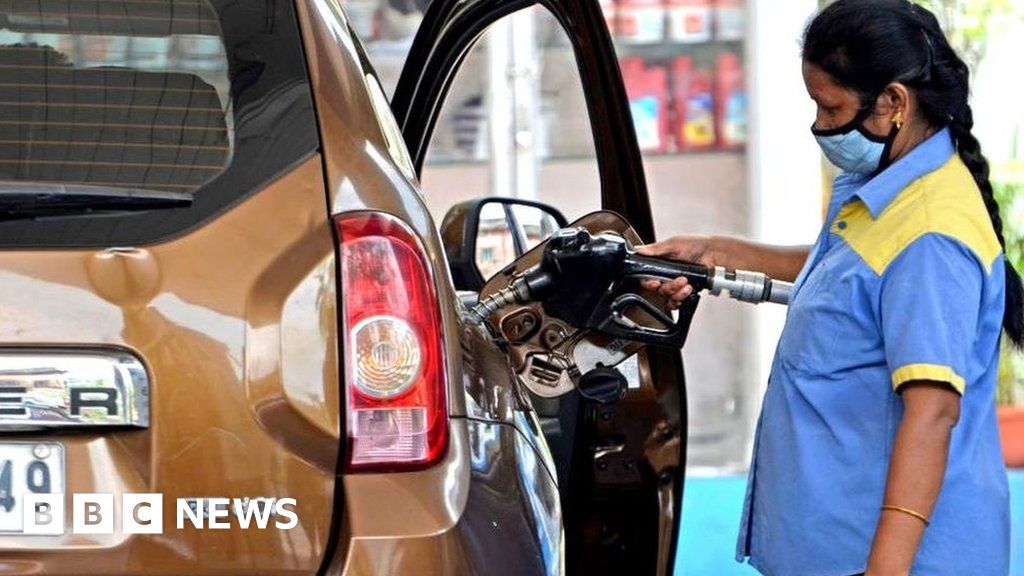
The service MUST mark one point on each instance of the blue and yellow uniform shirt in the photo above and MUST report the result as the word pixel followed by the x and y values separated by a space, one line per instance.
pixel 905 282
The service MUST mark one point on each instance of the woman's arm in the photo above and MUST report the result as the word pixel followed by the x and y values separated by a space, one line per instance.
pixel 779 262
pixel 916 470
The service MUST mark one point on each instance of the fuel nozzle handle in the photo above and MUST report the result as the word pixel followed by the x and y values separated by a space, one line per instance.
pixel 638 266
pixel 743 285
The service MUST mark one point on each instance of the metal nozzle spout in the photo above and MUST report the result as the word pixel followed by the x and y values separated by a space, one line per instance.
pixel 747 286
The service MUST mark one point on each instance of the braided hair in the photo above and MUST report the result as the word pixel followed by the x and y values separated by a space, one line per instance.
pixel 867 44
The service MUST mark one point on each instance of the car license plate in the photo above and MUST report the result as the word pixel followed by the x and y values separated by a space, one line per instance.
pixel 27 467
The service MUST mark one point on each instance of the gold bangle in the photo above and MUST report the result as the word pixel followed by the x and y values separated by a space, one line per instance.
pixel 909 512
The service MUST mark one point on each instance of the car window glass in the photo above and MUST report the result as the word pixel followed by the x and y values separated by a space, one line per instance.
pixel 206 99
pixel 100 99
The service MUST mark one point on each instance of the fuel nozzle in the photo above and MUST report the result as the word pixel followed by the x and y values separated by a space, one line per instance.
pixel 566 254
pixel 576 275
pixel 747 286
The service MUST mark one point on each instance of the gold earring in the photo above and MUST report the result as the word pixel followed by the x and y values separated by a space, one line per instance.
pixel 898 120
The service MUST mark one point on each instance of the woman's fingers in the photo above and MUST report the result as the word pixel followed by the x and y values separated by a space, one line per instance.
pixel 682 295
pixel 679 286
pixel 677 291
pixel 675 248
pixel 687 248
pixel 655 249
pixel 675 287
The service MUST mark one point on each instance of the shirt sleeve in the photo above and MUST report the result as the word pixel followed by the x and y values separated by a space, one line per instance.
pixel 929 306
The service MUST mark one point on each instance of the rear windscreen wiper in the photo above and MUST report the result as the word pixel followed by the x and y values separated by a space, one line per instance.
pixel 28 200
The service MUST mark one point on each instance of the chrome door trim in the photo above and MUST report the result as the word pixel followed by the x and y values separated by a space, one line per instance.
pixel 47 388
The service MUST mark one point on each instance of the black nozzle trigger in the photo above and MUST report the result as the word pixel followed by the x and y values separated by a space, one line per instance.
pixel 616 323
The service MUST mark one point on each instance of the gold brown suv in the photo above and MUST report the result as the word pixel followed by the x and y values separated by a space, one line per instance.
pixel 230 340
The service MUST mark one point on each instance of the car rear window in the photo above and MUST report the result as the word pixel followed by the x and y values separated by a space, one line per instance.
pixel 187 96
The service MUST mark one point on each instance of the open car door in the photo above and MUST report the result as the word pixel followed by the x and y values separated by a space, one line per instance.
pixel 621 478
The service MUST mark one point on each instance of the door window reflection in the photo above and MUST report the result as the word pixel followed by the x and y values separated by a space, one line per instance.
pixel 495 244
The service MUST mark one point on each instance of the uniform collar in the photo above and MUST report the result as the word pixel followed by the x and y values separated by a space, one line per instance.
pixel 926 157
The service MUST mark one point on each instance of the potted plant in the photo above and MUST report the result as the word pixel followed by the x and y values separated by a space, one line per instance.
pixel 1010 410
pixel 1010 391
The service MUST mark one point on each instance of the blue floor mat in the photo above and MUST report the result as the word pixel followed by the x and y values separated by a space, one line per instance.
pixel 711 514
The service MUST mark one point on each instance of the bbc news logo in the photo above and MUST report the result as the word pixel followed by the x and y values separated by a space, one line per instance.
pixel 44 514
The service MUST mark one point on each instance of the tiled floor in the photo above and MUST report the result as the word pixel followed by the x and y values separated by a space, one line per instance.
pixel 711 511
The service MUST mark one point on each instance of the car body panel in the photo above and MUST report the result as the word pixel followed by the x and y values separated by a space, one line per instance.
pixel 509 525
pixel 364 169
pixel 412 520
pixel 235 324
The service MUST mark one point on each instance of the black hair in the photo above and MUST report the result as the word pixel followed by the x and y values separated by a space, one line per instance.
pixel 865 45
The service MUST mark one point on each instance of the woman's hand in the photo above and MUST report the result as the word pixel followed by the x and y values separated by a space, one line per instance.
pixel 687 248
pixel 778 262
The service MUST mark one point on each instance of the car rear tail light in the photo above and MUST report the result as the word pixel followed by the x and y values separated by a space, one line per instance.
pixel 393 347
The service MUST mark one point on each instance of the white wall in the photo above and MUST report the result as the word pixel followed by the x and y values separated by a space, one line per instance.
pixel 996 93
pixel 785 161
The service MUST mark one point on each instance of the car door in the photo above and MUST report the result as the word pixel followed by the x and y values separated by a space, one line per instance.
pixel 622 498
